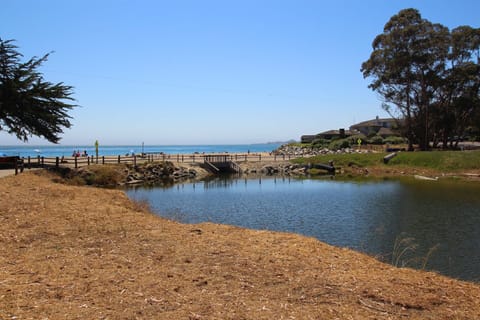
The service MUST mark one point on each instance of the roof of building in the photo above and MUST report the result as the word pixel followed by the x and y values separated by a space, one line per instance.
pixel 377 122
pixel 336 132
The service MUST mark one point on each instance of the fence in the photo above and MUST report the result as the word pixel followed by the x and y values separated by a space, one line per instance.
pixel 77 162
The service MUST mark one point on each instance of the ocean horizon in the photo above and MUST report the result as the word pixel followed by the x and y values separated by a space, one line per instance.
pixel 114 150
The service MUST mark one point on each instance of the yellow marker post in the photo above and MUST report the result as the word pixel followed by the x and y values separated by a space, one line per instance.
pixel 96 150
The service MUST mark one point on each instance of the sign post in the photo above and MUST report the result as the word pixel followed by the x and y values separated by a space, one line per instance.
pixel 96 150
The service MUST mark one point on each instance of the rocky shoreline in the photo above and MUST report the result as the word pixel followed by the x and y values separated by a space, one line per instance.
pixel 294 150
pixel 168 172
pixel 171 172
pixel 129 174
pixel 269 169
pixel 160 171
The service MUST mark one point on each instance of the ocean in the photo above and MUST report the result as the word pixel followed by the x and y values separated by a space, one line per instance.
pixel 58 150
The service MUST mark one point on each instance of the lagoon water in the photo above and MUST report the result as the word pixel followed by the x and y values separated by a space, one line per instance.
pixel 443 218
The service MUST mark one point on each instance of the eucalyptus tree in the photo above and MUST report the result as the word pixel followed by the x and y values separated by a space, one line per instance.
pixel 459 99
pixel 29 105
pixel 406 67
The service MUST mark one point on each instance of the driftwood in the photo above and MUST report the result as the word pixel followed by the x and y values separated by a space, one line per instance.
pixel 389 157
pixel 418 177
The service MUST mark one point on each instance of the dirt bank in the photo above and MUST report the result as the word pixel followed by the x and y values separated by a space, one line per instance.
pixel 71 252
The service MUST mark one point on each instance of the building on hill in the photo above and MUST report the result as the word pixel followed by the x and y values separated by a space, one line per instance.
pixel 335 134
pixel 384 127
pixel 307 138
pixel 327 135
pixel 386 132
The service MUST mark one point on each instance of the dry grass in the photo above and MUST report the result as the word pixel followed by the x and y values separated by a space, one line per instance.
pixel 71 252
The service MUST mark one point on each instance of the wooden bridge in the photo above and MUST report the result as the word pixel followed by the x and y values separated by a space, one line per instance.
pixel 221 164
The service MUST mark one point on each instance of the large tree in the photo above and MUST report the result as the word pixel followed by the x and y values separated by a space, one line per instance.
pixel 459 99
pixel 427 75
pixel 29 105
pixel 405 65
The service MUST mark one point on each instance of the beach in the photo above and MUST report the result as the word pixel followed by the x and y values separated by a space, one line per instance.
pixel 115 150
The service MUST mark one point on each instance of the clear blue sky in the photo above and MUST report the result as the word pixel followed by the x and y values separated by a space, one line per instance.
pixel 210 72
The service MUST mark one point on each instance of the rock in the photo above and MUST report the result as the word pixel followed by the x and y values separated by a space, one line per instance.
pixel 269 170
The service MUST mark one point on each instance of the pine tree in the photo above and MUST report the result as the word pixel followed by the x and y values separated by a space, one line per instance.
pixel 29 105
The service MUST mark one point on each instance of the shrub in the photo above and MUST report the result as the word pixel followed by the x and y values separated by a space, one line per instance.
pixel 354 139
pixel 394 140
pixel 106 177
pixel 376 140
pixel 101 175
pixel 320 143
pixel 339 144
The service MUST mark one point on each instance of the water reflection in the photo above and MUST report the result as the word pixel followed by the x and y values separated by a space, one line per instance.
pixel 367 216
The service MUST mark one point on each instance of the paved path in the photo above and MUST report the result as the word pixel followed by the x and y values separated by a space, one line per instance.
pixel 11 172
pixel 7 172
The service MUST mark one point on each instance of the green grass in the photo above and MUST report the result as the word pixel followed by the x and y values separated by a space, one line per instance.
pixel 437 160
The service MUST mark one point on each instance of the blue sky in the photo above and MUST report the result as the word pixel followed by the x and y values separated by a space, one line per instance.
pixel 210 72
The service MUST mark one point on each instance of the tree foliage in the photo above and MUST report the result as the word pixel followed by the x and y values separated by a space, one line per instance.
pixel 427 76
pixel 29 105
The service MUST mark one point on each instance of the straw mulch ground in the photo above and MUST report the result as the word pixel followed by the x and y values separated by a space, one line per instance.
pixel 84 253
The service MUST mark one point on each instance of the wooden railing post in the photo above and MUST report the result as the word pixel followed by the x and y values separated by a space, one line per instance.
pixel 103 159
pixel 118 159
pixel 57 162
pixel 29 166
pixel 76 163
pixel 134 160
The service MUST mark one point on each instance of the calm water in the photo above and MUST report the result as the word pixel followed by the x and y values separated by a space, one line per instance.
pixel 370 217
pixel 59 150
